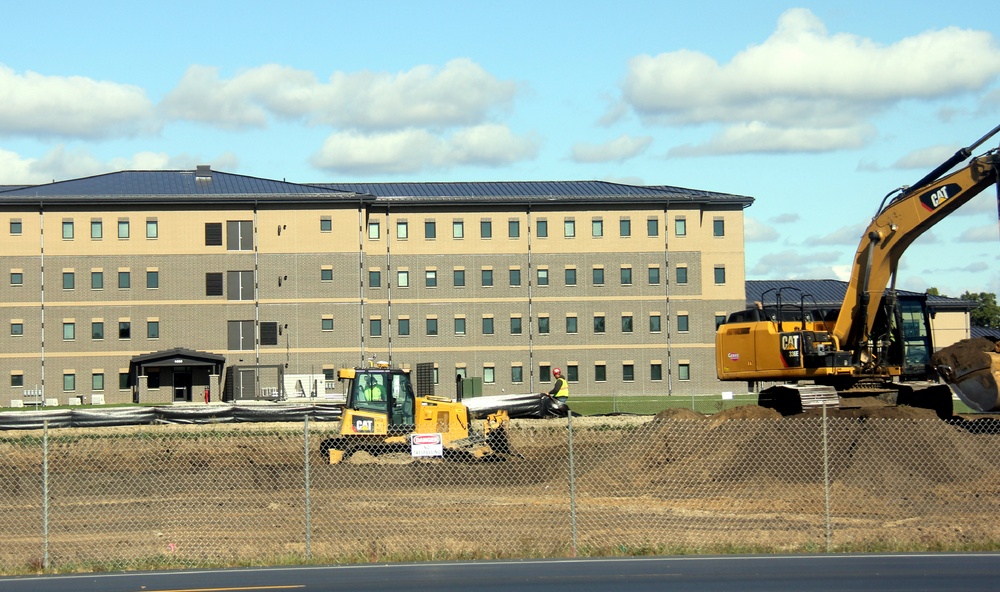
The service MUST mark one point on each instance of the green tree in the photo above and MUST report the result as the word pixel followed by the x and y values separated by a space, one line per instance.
pixel 932 291
pixel 987 314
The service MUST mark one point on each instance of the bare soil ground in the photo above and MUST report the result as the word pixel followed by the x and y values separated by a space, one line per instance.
pixel 741 479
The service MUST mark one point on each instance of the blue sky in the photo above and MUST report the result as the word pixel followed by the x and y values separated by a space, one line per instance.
pixel 817 110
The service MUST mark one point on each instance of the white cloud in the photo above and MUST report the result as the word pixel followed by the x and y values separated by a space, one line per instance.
pixel 980 234
pixel 796 264
pixel 61 164
pixel 71 106
pixel 620 149
pixel 461 93
pixel 413 150
pixel 845 235
pixel 786 218
pixel 802 77
pixel 925 158
pixel 760 137
pixel 756 232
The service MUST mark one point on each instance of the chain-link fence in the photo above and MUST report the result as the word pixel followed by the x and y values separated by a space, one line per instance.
pixel 238 494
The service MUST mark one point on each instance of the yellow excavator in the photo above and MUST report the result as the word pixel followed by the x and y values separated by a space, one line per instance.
pixel 382 415
pixel 867 347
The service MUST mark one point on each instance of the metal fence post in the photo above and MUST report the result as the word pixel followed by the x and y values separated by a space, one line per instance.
pixel 572 482
pixel 305 440
pixel 826 477
pixel 45 495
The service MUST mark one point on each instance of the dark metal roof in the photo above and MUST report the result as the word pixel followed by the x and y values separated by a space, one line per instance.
pixel 984 332
pixel 830 293
pixel 534 192
pixel 171 185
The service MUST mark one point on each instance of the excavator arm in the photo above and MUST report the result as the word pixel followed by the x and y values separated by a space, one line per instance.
pixel 908 215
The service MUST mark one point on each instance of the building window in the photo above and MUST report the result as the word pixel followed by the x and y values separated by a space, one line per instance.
pixel 570 276
pixel 16 278
pixel 153 329
pixel 16 329
pixel 597 227
pixel 69 382
pixel 124 279
pixel 598 276
pixel 326 224
pixel 720 274
pixel 682 323
pixel 239 235
pixel 152 279
pixel 69 280
pixel 459 325
pixel 719 227
pixel 543 276
pixel 124 330
pixel 655 324
pixel 487 278
pixel 431 278
pixel 572 373
pixel 403 279
pixel 240 285
pixel 432 326
pixel 654 276
pixel 213 284
pixel 515 277
pixel 97 381
pixel 213 234
pixel 598 323
pixel 402 230
pixel 123 231
pixel 373 230
pixel 430 229
pixel 375 327
pixel 517 374
pixel 515 325
pixel 628 372
pixel 542 228
pixel 17 380
pixel 96 229
pixel 513 229
pixel 680 226
pixel 684 372
pixel 652 227
pixel 682 275
pixel 543 325
pixel 626 276
pixel 600 373
pixel 97 280
pixel 487 325
pixel 485 229
pixel 489 375
pixel 403 326
pixel 627 324
pixel 720 319
pixel 569 228
pixel 374 278
pixel 152 229
pixel 67 229
pixel 544 373
pixel 625 227
pixel 326 324
pixel 656 371
pixel 457 229
pixel 69 331
pixel 16 227
pixel 571 324
pixel 97 330
pixel 240 335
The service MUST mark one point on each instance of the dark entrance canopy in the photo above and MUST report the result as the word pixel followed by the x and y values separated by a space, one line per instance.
pixel 174 358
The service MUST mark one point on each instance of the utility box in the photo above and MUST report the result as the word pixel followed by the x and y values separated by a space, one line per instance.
pixel 472 387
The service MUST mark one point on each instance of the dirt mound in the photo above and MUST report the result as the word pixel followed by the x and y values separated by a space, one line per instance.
pixel 747 412
pixel 678 413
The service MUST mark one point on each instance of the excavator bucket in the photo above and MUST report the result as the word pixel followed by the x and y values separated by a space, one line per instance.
pixel 971 368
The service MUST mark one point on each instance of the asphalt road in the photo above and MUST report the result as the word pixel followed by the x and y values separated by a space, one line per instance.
pixel 968 572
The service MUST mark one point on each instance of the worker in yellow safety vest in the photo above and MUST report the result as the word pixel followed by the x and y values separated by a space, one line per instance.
pixel 560 390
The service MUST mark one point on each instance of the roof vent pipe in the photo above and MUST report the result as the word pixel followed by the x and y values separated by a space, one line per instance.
pixel 203 172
